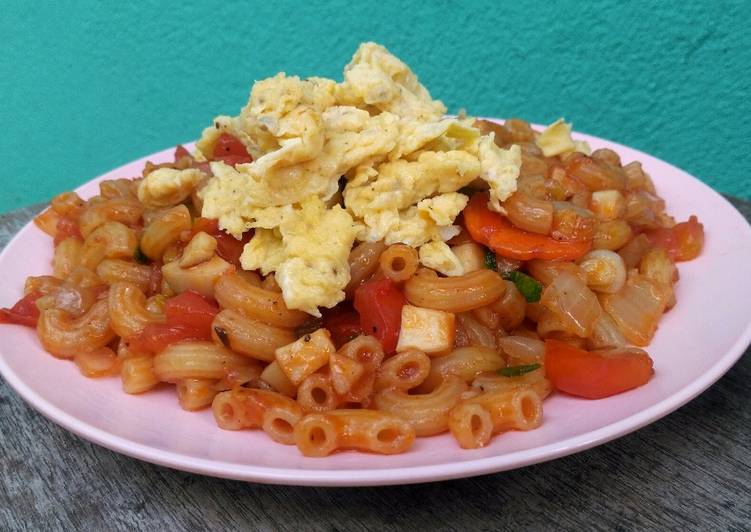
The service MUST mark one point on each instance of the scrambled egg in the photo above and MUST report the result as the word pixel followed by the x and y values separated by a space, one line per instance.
pixel 317 242
pixel 165 187
pixel 371 158
pixel 375 78
pixel 438 255
pixel 556 139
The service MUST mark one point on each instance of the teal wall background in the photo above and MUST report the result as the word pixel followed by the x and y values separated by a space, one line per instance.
pixel 91 85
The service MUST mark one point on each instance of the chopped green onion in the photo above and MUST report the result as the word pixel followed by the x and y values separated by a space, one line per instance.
pixel 528 286
pixel 140 257
pixel 490 262
pixel 518 371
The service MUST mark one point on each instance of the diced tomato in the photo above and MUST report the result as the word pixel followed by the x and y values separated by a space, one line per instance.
pixel 230 150
pixel 204 167
pixel 379 304
pixel 24 312
pixel 66 228
pixel 189 317
pixel 181 152
pixel 155 337
pixel 343 322
pixel 497 233
pixel 232 160
pixel 595 375
pixel 228 247
pixel 191 310
pixel 682 242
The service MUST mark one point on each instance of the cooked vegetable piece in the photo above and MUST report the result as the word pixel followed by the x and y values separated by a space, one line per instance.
pixel 490 262
pixel 379 304
pixel 683 241
pixel 189 317
pixel 156 337
pixel 230 150
pixel 343 322
pixel 496 232
pixel 228 247
pixel 181 152
pixel 528 286
pixel 192 310
pixel 574 304
pixel 518 371
pixel 24 312
pixel 595 374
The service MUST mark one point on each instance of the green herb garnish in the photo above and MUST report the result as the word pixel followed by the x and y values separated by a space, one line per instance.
pixel 140 257
pixel 490 261
pixel 528 286
pixel 518 371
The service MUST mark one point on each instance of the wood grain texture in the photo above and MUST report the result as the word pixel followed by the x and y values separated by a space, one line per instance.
pixel 689 471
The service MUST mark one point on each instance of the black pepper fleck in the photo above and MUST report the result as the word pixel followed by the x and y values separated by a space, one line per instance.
pixel 306 338
pixel 222 335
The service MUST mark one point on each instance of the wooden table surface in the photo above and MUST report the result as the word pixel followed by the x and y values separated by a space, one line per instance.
pixel 689 471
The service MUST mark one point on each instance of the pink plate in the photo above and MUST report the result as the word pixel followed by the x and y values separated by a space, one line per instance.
pixel 698 341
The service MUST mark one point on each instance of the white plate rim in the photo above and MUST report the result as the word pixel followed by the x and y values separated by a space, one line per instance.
pixel 390 476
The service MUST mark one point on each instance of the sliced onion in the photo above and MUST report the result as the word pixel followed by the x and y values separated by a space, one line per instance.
pixel 605 334
pixel 656 265
pixel 576 305
pixel 476 333
pixel 546 271
pixel 644 210
pixel 637 308
pixel 632 252
pixel 522 350
pixel 550 325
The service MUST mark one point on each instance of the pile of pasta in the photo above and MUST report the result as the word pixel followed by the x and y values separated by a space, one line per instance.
pixel 577 270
